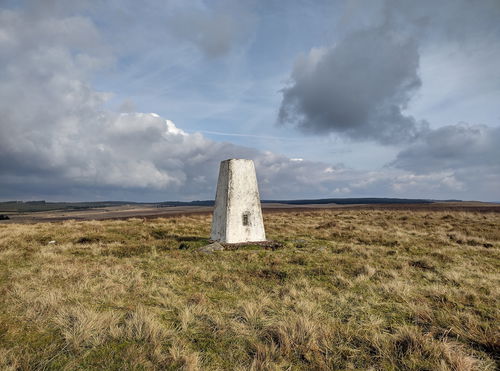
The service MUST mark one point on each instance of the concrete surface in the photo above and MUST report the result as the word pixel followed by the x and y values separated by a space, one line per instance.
pixel 237 214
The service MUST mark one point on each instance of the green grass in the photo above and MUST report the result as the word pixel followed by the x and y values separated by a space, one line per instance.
pixel 348 290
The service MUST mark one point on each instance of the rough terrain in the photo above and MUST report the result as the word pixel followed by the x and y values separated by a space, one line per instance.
pixel 347 289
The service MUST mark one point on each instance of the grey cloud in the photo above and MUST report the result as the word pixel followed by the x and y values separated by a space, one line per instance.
pixel 56 137
pixel 213 33
pixel 361 86
pixel 470 154
pixel 58 141
pixel 436 22
pixel 358 88
pixel 452 147
pixel 137 27
pixel 214 29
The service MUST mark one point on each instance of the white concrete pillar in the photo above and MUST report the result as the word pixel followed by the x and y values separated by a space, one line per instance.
pixel 237 214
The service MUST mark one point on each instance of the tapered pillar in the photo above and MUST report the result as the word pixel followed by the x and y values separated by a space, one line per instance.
pixel 237 214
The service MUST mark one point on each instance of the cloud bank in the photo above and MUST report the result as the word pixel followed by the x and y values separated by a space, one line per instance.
pixel 59 140
pixel 358 88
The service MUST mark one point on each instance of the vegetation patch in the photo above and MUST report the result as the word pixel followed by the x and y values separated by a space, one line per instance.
pixel 335 289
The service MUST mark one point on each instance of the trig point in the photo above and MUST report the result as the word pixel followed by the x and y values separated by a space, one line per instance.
pixel 237 214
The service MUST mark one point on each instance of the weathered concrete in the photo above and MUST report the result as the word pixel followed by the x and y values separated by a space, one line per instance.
pixel 237 214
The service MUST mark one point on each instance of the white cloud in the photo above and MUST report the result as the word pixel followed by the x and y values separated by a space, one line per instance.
pixel 59 141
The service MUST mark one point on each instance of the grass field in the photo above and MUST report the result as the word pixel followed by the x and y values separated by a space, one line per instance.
pixel 349 289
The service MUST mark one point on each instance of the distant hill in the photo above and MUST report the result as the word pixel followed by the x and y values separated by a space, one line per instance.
pixel 351 201
pixel 33 206
pixel 321 201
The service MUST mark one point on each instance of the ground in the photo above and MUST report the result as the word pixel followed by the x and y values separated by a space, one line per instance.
pixel 342 289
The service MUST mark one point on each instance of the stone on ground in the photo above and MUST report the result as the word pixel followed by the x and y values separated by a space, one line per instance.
pixel 212 247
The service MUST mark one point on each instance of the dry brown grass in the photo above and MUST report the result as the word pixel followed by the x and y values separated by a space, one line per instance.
pixel 350 289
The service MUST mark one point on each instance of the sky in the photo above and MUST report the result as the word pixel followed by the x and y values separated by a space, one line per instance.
pixel 140 101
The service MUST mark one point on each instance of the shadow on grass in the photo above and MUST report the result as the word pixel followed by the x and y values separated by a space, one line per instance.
pixel 161 235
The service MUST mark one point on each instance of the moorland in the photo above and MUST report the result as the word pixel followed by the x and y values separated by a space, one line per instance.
pixel 337 289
